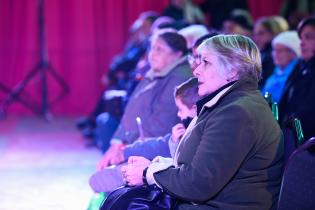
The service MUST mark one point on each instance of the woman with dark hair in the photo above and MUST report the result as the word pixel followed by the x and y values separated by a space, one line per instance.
pixel 152 101
pixel 299 92
pixel 231 154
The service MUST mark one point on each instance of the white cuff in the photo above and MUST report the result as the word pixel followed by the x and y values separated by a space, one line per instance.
pixel 160 159
pixel 155 167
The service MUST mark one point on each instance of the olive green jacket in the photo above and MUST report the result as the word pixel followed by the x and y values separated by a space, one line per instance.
pixel 231 158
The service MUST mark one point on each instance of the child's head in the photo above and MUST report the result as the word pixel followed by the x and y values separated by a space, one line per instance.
pixel 186 96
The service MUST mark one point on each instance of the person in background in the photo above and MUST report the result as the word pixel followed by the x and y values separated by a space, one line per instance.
pixel 299 92
pixel 186 97
pixel 217 11
pixel 117 76
pixel 282 22
pixel 136 47
pixel 152 100
pixel 286 51
pixel 192 33
pixel 137 147
pixel 239 22
pixel 265 29
pixel 161 22
pixel 231 154
pixel 184 11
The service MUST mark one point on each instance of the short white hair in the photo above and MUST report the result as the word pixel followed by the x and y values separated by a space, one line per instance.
pixel 238 56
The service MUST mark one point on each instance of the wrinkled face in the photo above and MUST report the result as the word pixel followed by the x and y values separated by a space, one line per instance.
pixel 161 55
pixel 282 55
pixel 262 36
pixel 184 111
pixel 307 37
pixel 207 73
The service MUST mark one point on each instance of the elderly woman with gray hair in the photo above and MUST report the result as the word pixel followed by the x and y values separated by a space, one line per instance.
pixel 231 154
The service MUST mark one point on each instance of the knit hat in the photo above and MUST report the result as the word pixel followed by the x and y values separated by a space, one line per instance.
pixel 289 39
pixel 192 33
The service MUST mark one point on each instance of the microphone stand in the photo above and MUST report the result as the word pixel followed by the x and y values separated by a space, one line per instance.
pixel 42 68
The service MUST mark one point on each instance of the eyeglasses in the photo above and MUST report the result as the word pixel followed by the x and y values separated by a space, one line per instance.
pixel 194 60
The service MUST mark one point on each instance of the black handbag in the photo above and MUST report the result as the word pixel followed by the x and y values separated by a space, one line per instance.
pixel 145 197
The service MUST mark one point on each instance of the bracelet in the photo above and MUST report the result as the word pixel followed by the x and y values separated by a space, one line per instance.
pixel 144 176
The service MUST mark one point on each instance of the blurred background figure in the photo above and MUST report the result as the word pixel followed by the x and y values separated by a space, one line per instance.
pixel 120 75
pixel 192 33
pixel 296 10
pixel 265 29
pixel 239 22
pixel 185 96
pixel 217 11
pixel 162 22
pixel 184 11
pixel 103 52
pixel 285 53
pixel 299 92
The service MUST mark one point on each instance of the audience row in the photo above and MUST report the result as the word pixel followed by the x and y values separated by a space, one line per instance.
pixel 228 66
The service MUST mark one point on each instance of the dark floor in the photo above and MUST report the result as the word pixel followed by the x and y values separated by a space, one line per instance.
pixel 44 165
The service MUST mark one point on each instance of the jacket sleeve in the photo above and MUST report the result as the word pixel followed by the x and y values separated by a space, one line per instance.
pixel 149 148
pixel 225 141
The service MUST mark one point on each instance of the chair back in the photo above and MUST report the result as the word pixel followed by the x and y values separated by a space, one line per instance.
pixel 293 136
pixel 298 183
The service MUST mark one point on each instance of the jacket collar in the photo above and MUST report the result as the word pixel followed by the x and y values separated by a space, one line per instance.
pixel 214 98
pixel 209 97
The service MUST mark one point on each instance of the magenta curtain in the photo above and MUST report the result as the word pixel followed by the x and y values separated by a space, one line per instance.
pixel 259 8
pixel 82 38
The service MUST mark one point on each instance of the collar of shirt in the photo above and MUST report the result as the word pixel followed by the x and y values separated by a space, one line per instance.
pixel 287 70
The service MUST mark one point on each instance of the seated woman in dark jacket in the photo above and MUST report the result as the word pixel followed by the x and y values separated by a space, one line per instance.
pixel 299 91
pixel 231 154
